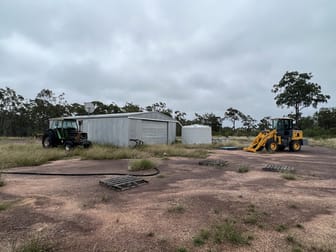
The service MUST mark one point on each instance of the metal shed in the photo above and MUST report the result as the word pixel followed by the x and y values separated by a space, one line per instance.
pixel 118 129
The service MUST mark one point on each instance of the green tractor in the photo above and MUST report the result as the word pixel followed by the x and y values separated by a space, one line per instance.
pixel 64 132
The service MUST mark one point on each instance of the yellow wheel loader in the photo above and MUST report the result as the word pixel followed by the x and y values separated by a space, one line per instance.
pixel 282 136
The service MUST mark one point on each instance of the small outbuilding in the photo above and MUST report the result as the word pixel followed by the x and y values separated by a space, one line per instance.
pixel 124 129
pixel 196 134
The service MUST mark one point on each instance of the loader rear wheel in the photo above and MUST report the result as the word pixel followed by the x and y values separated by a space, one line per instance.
pixel 295 146
pixel 271 146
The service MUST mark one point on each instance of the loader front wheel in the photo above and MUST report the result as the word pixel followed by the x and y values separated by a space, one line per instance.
pixel 295 146
pixel 271 146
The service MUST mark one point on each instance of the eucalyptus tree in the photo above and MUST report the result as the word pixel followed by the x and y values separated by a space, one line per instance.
pixel 296 90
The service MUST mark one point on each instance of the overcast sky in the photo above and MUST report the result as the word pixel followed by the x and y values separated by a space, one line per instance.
pixel 194 55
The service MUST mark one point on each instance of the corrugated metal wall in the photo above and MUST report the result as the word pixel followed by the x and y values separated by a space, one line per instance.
pixel 171 132
pixel 107 130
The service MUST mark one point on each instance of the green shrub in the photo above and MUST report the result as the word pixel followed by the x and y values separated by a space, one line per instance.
pixel 142 164
pixel 243 169
pixel 229 232
pixel 288 176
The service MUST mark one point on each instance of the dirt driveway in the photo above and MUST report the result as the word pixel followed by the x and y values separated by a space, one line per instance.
pixel 182 209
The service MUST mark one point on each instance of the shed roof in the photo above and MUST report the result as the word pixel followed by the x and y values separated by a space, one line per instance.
pixel 139 115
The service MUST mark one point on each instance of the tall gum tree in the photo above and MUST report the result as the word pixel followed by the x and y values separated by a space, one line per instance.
pixel 295 90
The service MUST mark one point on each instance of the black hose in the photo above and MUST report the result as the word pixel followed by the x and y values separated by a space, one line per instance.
pixel 157 171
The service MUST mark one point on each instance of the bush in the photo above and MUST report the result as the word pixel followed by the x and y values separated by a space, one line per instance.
pixel 243 169
pixel 288 176
pixel 35 245
pixel 229 232
pixel 142 164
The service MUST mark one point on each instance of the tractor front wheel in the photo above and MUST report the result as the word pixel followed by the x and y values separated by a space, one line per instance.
pixel 295 146
pixel 271 146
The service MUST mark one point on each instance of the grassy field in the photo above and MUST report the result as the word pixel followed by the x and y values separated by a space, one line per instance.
pixel 16 152
pixel 329 142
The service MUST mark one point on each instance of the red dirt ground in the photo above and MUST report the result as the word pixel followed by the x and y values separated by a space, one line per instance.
pixel 78 214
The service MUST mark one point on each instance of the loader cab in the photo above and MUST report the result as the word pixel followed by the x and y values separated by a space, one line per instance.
pixel 284 127
pixel 282 123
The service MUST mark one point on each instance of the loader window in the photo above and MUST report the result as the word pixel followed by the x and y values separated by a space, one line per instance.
pixel 277 124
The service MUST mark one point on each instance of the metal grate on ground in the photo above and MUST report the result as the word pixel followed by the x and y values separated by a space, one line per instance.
pixel 123 183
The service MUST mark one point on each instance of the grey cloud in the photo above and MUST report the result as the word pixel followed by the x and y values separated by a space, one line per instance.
pixel 195 56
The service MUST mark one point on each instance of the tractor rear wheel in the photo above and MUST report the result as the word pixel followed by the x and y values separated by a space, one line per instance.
pixel 271 145
pixel 68 145
pixel 47 141
pixel 295 146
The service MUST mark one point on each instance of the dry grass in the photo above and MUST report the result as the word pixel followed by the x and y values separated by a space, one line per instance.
pixel 233 141
pixel 15 152
pixel 30 154
pixel 330 142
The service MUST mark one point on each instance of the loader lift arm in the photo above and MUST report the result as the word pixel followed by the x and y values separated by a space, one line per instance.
pixel 261 140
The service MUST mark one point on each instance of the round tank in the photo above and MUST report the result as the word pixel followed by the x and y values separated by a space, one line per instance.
pixel 196 134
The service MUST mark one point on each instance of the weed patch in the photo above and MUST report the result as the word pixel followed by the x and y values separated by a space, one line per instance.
pixel 293 206
pixel 291 240
pixel 253 217
pixel 4 206
pixel 299 226
pixel 36 245
pixel 201 238
pixel 181 250
pixel 281 228
pixel 288 176
pixel 243 169
pixel 229 232
pixel 143 164
pixel 2 181
pixel 176 209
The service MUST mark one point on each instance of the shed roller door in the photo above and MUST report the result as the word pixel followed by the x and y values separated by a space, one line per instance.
pixel 154 132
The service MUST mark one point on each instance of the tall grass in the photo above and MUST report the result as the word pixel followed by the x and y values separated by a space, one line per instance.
pixel 31 153
pixel 325 142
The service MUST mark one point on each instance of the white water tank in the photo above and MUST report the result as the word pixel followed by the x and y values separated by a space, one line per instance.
pixel 196 134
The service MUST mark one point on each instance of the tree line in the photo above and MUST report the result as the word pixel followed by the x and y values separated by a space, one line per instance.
pixel 27 117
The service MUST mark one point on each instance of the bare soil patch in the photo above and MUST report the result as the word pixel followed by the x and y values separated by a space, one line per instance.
pixel 78 214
